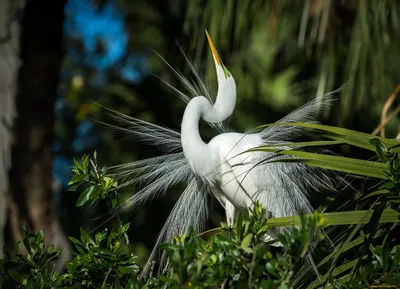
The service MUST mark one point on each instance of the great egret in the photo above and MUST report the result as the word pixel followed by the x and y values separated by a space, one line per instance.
pixel 218 167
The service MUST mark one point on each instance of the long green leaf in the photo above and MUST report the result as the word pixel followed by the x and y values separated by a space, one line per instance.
pixel 340 249
pixel 337 163
pixel 307 144
pixel 338 218
pixel 348 136
pixel 349 246
pixel 376 193
pixel 337 271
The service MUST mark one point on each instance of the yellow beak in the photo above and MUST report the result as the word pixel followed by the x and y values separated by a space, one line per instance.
pixel 216 56
pixel 213 49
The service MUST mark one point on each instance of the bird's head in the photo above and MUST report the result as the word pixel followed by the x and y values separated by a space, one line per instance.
pixel 223 73
pixel 226 96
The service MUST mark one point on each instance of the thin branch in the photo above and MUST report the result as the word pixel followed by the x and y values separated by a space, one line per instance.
pixel 125 234
pixel 384 118
pixel 105 278
pixel 253 262
pixel 210 231
pixel 224 283
pixel 385 122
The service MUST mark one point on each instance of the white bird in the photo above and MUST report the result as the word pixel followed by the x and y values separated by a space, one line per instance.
pixel 219 168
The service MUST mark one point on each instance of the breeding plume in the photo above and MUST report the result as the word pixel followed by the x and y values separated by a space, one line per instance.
pixel 219 168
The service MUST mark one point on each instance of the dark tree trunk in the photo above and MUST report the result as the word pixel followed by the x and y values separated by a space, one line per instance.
pixel 31 202
pixel 9 64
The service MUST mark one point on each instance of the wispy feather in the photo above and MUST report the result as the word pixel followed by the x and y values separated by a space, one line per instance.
pixel 152 177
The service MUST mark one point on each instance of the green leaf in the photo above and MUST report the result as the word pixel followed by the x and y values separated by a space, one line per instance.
pixel 337 271
pixel 339 250
pixel 116 247
pixel 246 241
pixel 391 279
pixel 351 137
pixel 74 240
pixel 337 218
pixel 262 229
pixel 72 265
pixel 125 228
pixel 169 247
pixel 85 161
pixel 124 270
pixel 271 269
pixel 78 165
pixel 132 283
pixel 39 237
pixel 360 240
pixel 308 144
pixel 239 222
pixel 20 278
pixel 72 188
pixel 387 185
pixel 376 193
pixel 380 148
pixel 27 245
pixel 396 258
pixel 336 163
pixel 76 178
pixel 85 238
pixel 85 196
pixel 109 183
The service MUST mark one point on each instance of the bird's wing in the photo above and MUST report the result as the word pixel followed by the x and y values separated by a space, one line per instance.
pixel 270 184
pixel 283 188
pixel 287 188
pixel 296 183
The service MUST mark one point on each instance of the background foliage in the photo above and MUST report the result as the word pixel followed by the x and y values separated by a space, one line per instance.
pixel 282 53
pixel 241 260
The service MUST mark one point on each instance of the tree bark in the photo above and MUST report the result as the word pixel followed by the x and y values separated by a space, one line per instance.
pixel 9 64
pixel 31 201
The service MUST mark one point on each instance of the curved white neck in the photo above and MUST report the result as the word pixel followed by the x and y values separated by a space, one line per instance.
pixel 193 146
pixel 201 159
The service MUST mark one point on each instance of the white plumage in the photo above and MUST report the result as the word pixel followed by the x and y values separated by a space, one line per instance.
pixel 219 167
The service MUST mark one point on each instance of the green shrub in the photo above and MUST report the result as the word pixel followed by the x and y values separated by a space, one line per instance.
pixel 364 255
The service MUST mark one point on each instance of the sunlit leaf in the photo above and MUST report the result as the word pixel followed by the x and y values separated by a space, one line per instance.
pixel 336 163
pixel 85 196
pixel 343 135
pixel 338 218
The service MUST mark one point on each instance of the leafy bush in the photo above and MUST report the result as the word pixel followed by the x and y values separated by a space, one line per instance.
pixel 359 255
pixel 242 261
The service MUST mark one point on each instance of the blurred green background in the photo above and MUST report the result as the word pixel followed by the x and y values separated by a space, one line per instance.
pixel 281 53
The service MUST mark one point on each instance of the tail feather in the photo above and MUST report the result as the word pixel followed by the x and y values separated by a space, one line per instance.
pixel 190 211
pixel 307 113
pixel 143 172
pixel 165 139
pixel 156 183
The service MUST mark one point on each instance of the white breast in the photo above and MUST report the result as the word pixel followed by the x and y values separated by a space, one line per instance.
pixel 233 174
